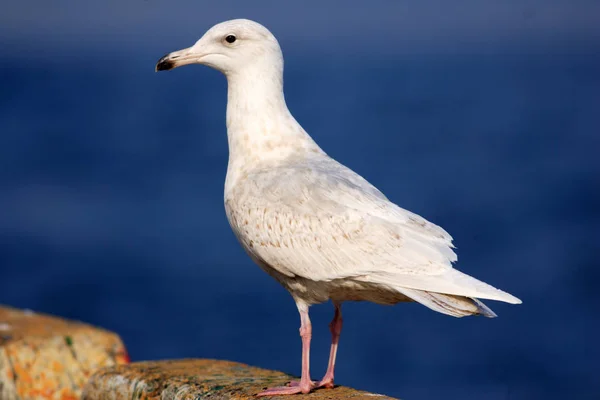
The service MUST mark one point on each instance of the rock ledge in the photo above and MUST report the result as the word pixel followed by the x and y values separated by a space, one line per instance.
pixel 45 357
pixel 195 379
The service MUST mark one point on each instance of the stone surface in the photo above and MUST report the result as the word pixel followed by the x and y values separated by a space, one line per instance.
pixel 198 379
pixel 44 357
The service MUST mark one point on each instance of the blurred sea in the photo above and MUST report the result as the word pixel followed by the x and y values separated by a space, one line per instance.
pixel 111 211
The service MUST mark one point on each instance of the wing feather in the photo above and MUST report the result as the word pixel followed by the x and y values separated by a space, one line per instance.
pixel 322 221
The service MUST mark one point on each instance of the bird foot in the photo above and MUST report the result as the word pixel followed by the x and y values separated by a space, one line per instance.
pixel 295 387
pixel 324 383
pixel 281 390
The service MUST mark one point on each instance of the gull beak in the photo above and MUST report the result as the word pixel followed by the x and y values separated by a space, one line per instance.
pixel 177 59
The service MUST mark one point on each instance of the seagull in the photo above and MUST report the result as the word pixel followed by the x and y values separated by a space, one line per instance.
pixel 314 225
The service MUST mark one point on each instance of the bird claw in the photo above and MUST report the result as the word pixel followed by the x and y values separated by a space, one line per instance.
pixel 325 383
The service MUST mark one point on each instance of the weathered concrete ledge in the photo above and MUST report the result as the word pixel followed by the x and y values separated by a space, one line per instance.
pixel 44 357
pixel 198 379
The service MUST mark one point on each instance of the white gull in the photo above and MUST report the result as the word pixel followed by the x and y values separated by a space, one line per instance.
pixel 314 225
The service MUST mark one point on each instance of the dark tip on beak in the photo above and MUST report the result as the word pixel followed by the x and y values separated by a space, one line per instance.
pixel 164 64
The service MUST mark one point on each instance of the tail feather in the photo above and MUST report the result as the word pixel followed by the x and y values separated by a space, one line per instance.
pixel 451 282
pixel 456 306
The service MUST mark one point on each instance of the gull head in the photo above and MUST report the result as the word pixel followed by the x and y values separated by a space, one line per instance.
pixel 230 47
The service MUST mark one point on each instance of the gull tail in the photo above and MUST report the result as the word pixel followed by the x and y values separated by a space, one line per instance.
pixel 450 282
pixel 449 304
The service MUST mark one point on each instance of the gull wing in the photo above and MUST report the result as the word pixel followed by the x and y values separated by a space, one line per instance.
pixel 321 221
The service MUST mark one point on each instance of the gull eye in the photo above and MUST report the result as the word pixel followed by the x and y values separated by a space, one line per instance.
pixel 230 38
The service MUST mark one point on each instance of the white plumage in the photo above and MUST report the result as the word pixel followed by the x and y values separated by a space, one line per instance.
pixel 310 217
pixel 313 224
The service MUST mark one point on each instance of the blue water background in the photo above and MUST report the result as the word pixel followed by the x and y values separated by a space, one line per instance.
pixel 111 188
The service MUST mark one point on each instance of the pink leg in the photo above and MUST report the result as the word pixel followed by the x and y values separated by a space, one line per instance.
pixel 305 385
pixel 336 328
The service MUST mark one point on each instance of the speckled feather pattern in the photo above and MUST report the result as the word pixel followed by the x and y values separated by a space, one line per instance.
pixel 324 232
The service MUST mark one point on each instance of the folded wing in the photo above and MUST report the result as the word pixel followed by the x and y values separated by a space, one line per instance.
pixel 321 221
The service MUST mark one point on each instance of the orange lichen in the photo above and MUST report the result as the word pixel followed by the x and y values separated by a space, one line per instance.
pixel 67 394
pixel 57 367
pixel 52 358
pixel 22 374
